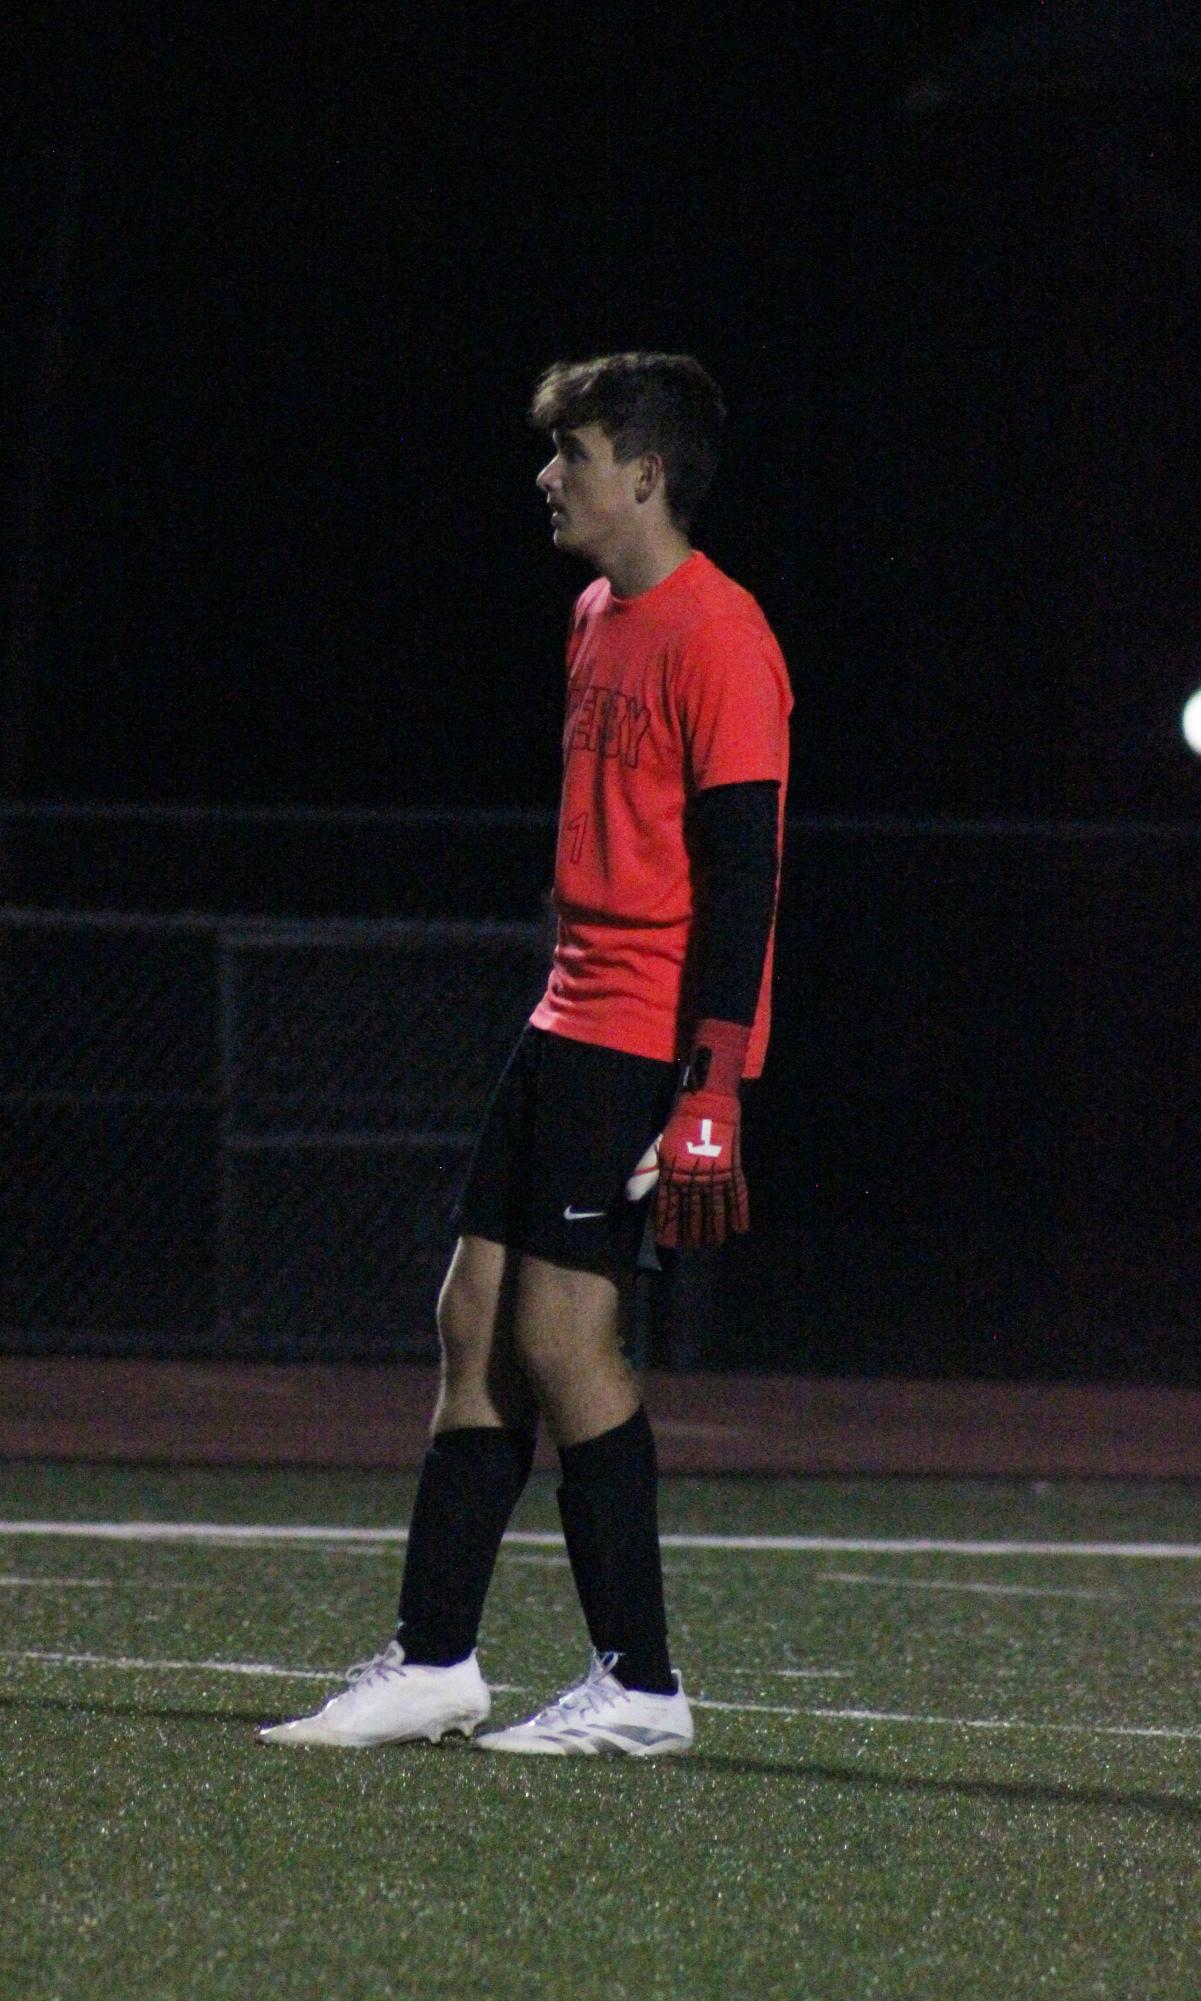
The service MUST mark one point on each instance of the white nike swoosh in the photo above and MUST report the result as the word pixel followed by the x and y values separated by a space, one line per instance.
pixel 571 1215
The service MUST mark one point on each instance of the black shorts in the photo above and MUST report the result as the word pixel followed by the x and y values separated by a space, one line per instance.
pixel 562 1135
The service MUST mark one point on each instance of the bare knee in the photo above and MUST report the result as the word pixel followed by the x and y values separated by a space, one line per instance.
pixel 469 1306
pixel 568 1335
pixel 482 1381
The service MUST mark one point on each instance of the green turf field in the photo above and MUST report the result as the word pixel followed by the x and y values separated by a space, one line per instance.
pixel 930 1773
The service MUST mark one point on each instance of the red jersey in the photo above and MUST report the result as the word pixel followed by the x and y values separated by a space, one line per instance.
pixel 669 693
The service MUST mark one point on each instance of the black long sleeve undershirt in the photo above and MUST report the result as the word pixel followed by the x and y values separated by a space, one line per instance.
pixel 732 832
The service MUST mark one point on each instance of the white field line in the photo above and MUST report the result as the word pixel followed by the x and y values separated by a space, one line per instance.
pixel 804 1674
pixel 58 1583
pixel 1186 1734
pixel 266 1533
pixel 264 1670
pixel 946 1584
pixel 166 1667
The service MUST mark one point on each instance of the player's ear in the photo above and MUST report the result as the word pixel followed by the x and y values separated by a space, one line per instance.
pixel 650 476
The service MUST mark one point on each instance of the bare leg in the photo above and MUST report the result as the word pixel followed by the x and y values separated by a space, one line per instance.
pixel 567 1329
pixel 482 1382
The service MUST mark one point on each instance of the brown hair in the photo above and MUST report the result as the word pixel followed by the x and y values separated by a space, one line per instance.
pixel 664 403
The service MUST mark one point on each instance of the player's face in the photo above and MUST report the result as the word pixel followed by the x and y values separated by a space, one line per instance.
pixel 590 496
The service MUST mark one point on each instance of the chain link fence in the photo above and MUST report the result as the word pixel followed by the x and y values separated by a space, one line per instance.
pixel 976 1149
pixel 243 1138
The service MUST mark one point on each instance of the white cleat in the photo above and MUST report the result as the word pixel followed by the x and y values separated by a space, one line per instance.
pixel 389 1701
pixel 600 1718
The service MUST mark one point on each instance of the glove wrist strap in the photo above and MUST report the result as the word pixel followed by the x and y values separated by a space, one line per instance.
pixel 718 1054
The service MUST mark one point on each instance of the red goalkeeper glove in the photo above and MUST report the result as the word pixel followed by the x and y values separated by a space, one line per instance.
pixel 697 1159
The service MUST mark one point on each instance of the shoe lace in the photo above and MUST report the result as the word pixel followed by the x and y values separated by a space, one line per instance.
pixel 584 1696
pixel 379 1667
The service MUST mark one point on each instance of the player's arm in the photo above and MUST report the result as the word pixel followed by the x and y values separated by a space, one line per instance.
pixel 733 832
pixel 701 1194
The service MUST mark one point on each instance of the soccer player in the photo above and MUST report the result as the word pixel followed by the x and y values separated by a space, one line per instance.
pixel 626 1079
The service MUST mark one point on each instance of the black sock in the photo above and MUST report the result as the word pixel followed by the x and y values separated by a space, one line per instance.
pixel 608 1505
pixel 471 1479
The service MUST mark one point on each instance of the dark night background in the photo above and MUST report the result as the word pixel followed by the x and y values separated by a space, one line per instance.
pixel 279 282
pixel 277 286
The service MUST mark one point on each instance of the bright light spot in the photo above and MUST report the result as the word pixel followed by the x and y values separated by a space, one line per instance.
pixel 1190 722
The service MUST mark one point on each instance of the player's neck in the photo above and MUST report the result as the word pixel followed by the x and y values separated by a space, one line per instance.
pixel 640 567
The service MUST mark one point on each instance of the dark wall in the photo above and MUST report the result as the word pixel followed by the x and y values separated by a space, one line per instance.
pixel 277 295
pixel 975 1147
